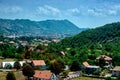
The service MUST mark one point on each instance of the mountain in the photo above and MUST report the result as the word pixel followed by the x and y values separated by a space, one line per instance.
pixel 108 33
pixel 38 28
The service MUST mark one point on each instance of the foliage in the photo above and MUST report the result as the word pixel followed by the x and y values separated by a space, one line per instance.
pixel 101 62
pixel 28 55
pixel 75 66
pixel 10 76
pixel 17 65
pixel 97 72
pixel 28 71
pixel 65 73
pixel 56 66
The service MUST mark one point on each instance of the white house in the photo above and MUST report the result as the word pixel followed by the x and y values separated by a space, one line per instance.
pixel 4 64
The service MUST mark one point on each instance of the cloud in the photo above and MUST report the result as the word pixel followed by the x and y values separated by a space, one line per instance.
pixel 10 9
pixel 48 10
pixel 95 12
pixel 104 10
pixel 74 10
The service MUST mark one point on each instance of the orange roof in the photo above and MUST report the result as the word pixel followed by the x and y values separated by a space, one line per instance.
pixel 38 62
pixel 85 64
pixel 43 75
pixel 105 57
pixel 117 68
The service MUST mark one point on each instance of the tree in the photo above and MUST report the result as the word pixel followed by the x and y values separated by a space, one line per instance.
pixel 10 76
pixel 56 66
pixel 28 54
pixel 72 52
pixel 108 78
pixel 116 59
pixel 101 62
pixel 28 71
pixel 75 66
pixel 17 65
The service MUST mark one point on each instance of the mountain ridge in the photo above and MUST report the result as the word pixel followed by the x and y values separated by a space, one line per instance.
pixel 36 28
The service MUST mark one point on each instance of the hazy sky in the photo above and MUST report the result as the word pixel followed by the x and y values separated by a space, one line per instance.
pixel 83 13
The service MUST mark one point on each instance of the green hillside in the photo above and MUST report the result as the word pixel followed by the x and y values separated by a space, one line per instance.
pixel 88 45
pixel 101 35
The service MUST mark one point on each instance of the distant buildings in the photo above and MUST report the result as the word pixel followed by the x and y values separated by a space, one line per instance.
pixel 1 42
pixel 11 42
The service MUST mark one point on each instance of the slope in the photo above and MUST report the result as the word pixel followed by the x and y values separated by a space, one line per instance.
pixel 37 28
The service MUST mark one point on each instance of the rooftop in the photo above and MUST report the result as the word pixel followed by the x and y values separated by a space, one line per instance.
pixel 105 57
pixel 117 68
pixel 39 62
pixel 43 75
pixel 86 64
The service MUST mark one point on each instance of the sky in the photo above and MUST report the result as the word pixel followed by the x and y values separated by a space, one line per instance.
pixel 83 13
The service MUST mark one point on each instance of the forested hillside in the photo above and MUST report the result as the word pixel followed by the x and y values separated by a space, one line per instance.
pixel 89 44
pixel 101 35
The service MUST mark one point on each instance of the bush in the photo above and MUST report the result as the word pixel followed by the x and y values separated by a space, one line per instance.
pixel 10 76
pixel 17 65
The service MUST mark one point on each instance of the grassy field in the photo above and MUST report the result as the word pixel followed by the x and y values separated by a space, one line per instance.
pixel 18 75
pixel 86 78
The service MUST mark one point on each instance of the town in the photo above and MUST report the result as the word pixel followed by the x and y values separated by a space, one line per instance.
pixel 32 60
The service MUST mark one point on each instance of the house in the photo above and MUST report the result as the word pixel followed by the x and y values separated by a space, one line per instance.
pixel 44 75
pixel 24 43
pixel 55 40
pixel 11 63
pixel 108 60
pixel 62 53
pixel 1 42
pixel 39 64
pixel 89 69
pixel 11 42
pixel 116 71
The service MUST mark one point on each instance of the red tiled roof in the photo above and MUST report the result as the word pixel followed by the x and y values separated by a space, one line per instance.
pixel 43 75
pixel 117 68
pixel 38 62
pixel 105 57
pixel 85 64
